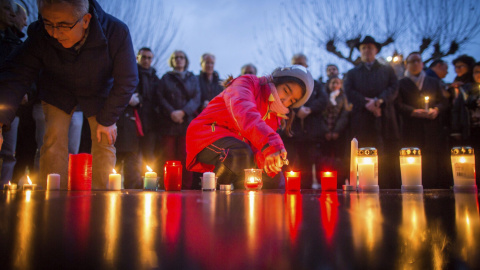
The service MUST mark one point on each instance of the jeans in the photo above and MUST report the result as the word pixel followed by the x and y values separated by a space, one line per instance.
pixel 8 152
pixel 74 131
pixel 54 151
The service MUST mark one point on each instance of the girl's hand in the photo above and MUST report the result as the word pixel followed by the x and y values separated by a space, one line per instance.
pixel 274 162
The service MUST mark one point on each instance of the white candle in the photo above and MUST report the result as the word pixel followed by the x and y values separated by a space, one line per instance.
pixel 53 181
pixel 209 182
pixel 426 102
pixel 29 185
pixel 114 181
pixel 353 163
pixel 10 186
pixel 411 174
pixel 366 174
pixel 150 181
pixel 464 171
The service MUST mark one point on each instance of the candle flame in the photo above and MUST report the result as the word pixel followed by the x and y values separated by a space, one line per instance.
pixel 410 160
pixel 251 180
pixel 367 161
pixel 462 160
pixel 115 172
pixel 328 173
pixel 9 183
pixel 149 169
pixel 291 173
pixel 427 98
pixel 29 181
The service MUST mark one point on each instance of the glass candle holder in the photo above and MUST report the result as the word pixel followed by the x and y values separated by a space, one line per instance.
pixel 367 169
pixel 292 181
pixel 173 176
pixel 411 169
pixel 253 179
pixel 463 168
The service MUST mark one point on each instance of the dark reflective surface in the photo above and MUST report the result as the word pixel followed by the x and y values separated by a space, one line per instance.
pixel 239 230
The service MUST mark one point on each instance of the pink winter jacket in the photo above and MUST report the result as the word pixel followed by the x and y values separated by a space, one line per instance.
pixel 240 111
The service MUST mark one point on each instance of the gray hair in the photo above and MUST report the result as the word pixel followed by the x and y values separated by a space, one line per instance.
pixel 202 58
pixel 81 6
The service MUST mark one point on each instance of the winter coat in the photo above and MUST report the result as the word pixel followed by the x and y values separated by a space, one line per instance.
pixel 416 130
pixel 148 109
pixel 310 129
pixel 379 82
pixel 127 139
pixel 209 89
pixel 241 111
pixel 343 108
pixel 100 77
pixel 176 93
pixel 8 42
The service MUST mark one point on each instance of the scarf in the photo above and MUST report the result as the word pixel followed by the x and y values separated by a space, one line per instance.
pixel 277 105
pixel 418 80
pixel 333 96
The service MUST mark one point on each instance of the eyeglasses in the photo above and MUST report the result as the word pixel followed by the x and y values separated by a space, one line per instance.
pixel 413 61
pixel 61 28
pixel 460 66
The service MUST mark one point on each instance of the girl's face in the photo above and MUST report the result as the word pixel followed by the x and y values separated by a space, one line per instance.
pixel 335 84
pixel 461 68
pixel 289 93
pixel 476 74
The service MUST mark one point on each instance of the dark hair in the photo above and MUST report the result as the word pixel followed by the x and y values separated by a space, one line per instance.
pixel 144 49
pixel 172 57
pixel 412 53
pixel 468 60
pixel 332 65
pixel 477 64
pixel 287 127
pixel 436 62
pixel 244 67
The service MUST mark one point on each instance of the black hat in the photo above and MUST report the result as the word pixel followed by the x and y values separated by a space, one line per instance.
pixel 371 40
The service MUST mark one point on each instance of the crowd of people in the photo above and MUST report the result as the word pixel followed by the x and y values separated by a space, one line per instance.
pixel 78 63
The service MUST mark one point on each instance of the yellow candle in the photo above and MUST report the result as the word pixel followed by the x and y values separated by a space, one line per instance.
pixel 114 181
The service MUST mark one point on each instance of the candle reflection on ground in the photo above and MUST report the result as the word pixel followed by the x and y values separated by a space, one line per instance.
pixel 112 223
pixel 329 214
pixel 294 214
pixel 25 231
pixel 147 224
pixel 467 221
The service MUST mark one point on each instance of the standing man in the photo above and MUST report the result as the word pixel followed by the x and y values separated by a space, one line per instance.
pixel 372 89
pixel 208 79
pixel 148 105
pixel 79 56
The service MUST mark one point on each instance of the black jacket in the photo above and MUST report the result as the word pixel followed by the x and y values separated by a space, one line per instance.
pixel 379 82
pixel 149 106
pixel 176 93
pixel 209 89
pixel 100 77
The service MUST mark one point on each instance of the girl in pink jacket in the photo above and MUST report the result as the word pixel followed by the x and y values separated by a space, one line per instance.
pixel 238 128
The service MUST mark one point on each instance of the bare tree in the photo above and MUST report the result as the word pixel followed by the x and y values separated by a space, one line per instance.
pixel 150 24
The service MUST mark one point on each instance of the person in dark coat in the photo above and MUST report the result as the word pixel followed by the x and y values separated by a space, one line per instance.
pixel 473 105
pixel 303 142
pixel 372 89
pixel 421 126
pixel 333 125
pixel 210 83
pixel 79 56
pixel 179 98
pixel 149 106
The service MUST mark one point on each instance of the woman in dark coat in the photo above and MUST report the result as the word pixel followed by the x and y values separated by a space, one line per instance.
pixel 179 98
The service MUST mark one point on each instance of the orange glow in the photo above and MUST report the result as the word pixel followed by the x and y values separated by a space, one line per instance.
pixel 29 181
pixel 149 169
pixel 114 172
pixel 327 174
pixel 9 183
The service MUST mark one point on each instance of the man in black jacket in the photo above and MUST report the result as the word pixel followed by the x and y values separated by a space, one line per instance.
pixel 372 89
pixel 79 56
pixel 209 80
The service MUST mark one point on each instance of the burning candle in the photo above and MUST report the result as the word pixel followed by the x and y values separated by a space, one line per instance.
pixel 150 180
pixel 367 169
pixel 463 167
pixel 292 181
pixel 411 169
pixel 114 181
pixel 426 102
pixel 328 180
pixel 209 181
pixel 53 181
pixel 253 179
pixel 10 186
pixel 173 176
pixel 29 186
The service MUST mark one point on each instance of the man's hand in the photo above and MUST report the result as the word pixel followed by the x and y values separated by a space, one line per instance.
pixel 433 113
pixel 420 113
pixel 110 132
pixel 134 100
pixel 177 116
pixel 303 112
pixel 373 105
pixel 274 162
pixel 24 100
pixel 334 135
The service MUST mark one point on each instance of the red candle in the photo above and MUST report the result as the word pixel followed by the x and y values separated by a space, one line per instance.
pixel 292 181
pixel 173 176
pixel 252 185
pixel 80 172
pixel 328 180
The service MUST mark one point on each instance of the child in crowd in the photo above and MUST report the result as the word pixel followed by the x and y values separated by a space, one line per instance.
pixel 237 130
pixel 473 104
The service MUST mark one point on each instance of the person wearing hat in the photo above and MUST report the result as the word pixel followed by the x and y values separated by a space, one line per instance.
pixel 372 89
pixel 237 130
